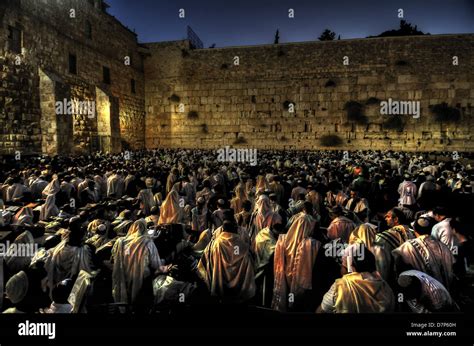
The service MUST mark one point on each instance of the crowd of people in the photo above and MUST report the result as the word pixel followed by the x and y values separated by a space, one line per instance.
pixel 301 231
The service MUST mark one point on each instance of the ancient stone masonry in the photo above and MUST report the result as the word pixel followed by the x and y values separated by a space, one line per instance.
pixel 201 98
pixel 65 48
pixel 308 95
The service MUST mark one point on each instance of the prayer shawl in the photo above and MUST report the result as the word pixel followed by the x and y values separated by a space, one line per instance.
pixel 295 256
pixel 170 182
pixel 341 227
pixel 16 261
pixel 199 219
pixel 363 293
pixel 360 206
pixel 385 243
pixel 240 197
pixel 147 201
pixel 23 217
pixel 261 184
pixel 264 215
pixel 101 183
pixel 263 247
pixel 205 193
pixel 364 234
pixel 430 256
pixel 82 186
pixel 434 296
pixel 49 208
pixel 336 199
pixel 226 268
pixel 135 257
pixel 296 192
pixel 15 191
pixel 122 228
pixel 37 187
pixel 66 261
pixel 171 211
pixel 443 232
pixel 96 240
pixel 68 188
pixel 190 192
pixel 407 191
pixel 315 199
pixel 115 186
pixel 52 188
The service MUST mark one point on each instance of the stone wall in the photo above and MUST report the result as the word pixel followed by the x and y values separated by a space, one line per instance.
pixel 248 105
pixel 38 77
pixel 201 98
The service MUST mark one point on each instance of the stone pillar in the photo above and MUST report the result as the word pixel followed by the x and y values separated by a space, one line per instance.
pixel 56 129
pixel 108 125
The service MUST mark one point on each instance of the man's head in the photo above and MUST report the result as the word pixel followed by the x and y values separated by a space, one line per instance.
pixel 229 226
pixel 410 286
pixel 308 208
pixel 439 213
pixel 424 225
pixel 354 193
pixel 61 291
pixel 395 217
pixel 247 205
pixel 336 211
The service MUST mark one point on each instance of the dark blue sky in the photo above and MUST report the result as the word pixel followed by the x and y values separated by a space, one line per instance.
pixel 249 22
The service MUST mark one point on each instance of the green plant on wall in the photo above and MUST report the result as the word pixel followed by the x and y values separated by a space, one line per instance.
pixel 394 122
pixel 240 140
pixel 372 101
pixel 444 113
pixel 355 112
pixel 193 115
pixel 174 98
pixel 330 141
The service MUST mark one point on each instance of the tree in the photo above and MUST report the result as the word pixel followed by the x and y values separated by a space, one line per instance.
pixel 406 29
pixel 277 37
pixel 327 35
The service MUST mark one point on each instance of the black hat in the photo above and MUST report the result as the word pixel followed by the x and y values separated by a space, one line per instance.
pixel 424 225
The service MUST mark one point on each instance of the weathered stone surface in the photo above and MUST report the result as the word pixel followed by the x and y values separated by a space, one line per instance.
pixel 49 36
pixel 249 98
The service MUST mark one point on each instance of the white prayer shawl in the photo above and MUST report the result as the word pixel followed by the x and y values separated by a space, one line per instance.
pixel 15 191
pixel 295 256
pixel 171 212
pixel 66 261
pixel 341 227
pixel 82 186
pixel 407 191
pixel 147 200
pixel 226 268
pixel 52 188
pixel 115 186
pixel 67 188
pixel 16 261
pixel 49 209
pixel 429 256
pixel 265 217
pixel 37 187
pixel 443 232
pixel 101 182
pixel 135 257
